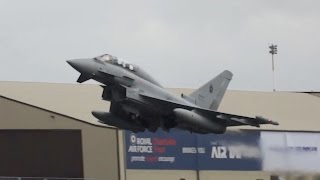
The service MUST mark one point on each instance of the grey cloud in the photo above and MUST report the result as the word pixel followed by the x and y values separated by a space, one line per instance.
pixel 182 43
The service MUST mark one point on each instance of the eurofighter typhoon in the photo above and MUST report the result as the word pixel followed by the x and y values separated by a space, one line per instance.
pixel 139 102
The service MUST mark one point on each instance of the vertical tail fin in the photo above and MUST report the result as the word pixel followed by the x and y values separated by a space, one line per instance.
pixel 210 95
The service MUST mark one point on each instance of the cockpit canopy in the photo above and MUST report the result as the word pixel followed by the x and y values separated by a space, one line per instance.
pixel 107 58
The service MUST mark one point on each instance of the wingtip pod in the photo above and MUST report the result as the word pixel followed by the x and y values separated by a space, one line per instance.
pixel 266 121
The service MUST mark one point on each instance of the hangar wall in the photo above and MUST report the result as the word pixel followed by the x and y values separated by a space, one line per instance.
pixel 99 144
pixel 161 174
pixel 294 111
pixel 193 175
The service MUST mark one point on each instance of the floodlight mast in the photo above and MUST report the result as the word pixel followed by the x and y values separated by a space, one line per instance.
pixel 273 51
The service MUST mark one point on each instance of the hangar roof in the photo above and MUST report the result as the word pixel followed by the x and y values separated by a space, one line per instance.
pixel 316 94
pixel 294 111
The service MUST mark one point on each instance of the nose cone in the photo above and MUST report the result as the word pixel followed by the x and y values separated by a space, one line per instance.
pixel 72 63
pixel 78 64
pixel 84 66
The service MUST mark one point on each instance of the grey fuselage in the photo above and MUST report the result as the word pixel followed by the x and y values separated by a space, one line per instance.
pixel 139 102
pixel 123 89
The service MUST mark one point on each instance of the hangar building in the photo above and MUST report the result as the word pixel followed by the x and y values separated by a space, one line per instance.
pixel 47 131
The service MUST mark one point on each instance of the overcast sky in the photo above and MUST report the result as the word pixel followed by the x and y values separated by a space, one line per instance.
pixel 182 43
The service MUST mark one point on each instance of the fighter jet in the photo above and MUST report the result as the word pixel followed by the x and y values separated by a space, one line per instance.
pixel 139 102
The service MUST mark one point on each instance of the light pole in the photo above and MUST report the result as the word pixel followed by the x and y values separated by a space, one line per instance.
pixel 273 51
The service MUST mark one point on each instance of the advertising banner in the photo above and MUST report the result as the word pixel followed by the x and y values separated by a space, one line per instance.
pixel 183 150
pixel 234 150
pixel 160 150
pixel 291 151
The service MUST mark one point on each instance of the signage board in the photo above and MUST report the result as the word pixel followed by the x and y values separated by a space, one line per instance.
pixel 183 150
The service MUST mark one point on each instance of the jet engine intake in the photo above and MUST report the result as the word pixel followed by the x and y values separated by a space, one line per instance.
pixel 198 122
pixel 107 93
pixel 113 93
pixel 112 120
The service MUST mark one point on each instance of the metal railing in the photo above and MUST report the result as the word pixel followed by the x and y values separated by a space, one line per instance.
pixel 42 178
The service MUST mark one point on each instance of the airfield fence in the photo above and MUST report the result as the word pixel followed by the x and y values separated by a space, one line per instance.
pixel 43 178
